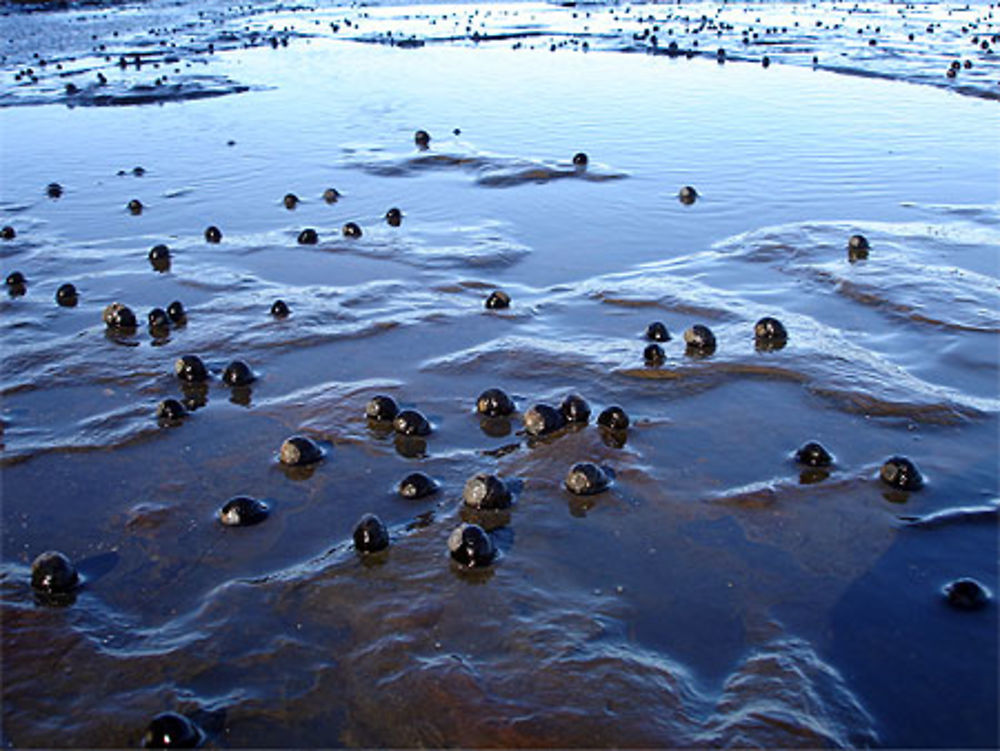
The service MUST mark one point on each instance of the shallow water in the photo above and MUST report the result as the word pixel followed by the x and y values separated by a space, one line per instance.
pixel 715 594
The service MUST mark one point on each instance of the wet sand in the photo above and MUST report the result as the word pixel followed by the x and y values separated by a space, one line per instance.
pixel 717 593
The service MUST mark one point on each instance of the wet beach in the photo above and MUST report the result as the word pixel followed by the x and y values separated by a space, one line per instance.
pixel 695 578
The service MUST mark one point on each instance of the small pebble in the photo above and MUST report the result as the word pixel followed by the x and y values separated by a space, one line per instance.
pixel 575 409
pixel 172 730
pixel 966 594
pixel 119 316
pixel 213 234
pixel 470 546
pixel 586 478
pixel 813 454
pixel 657 332
pixel 243 511
pixel 700 339
pixel 411 422
pixel 66 295
pixel 237 373
pixel 370 535
pixel 299 450
pixel 541 419
pixel 381 408
pixel 417 485
pixel 498 299
pixel 279 309
pixel 351 230
pixel 485 491
pixel 900 473
pixel 613 418
pixel 308 236
pixel 494 403
pixel 190 368
pixel 53 573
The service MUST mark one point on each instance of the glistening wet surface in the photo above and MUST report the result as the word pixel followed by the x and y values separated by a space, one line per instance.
pixel 717 592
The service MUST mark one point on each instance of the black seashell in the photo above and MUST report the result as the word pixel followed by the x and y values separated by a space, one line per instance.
pixel 66 295
pixel 580 159
pixel 308 236
pixel 411 422
pixel 699 339
pixel 172 730
pixel 613 418
pixel 470 546
pixel 422 139
pixel 299 450
pixel 966 594
pixel 53 573
pixel 394 217
pixel 243 511
pixel 657 332
pixel 159 258
pixel 370 534
pixel 541 419
pixel 381 408
pixel 279 309
pixel 585 478
pixel 190 368
pixel 330 195
pixel 575 409
pixel 238 373
pixel 900 473
pixel 53 190
pixel 213 234
pixel 175 311
pixel 351 230
pixel 135 206
pixel 813 455
pixel 653 354
pixel 687 195
pixel 290 200
pixel 16 283
pixel 494 403
pixel 498 299
pixel 170 410
pixel 417 485
pixel 485 491
pixel 7 232
pixel 769 330
pixel 118 316
pixel 158 319
pixel 857 248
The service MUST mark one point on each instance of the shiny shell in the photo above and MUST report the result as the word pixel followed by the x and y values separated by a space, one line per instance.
pixel 541 419
pixel 411 422
pixel 613 418
pixel 299 450
pixel 498 300
pixel 370 534
pixel 238 373
pixel 657 332
pixel 118 316
pixel 470 546
pixel 417 485
pixel 190 368
pixel 243 511
pixel 813 454
pixel 586 478
pixel 699 338
pixel 575 409
pixel 381 408
pixel 494 403
pixel 485 491
pixel 902 474
pixel 52 572
pixel 172 730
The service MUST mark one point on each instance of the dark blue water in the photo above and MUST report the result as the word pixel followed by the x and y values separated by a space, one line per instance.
pixel 716 593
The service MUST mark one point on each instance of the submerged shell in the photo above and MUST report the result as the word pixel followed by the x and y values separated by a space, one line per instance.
pixel 471 546
pixel 575 409
pixel 541 419
pixel 417 485
pixel 902 474
pixel 172 730
pixel 370 534
pixel 299 450
pixel 613 418
pixel 586 478
pixel 52 572
pixel 485 491
pixel 411 422
pixel 243 511
pixel 381 408
pixel 494 403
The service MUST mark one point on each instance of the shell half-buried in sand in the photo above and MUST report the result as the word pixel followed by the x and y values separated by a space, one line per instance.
pixel 299 450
